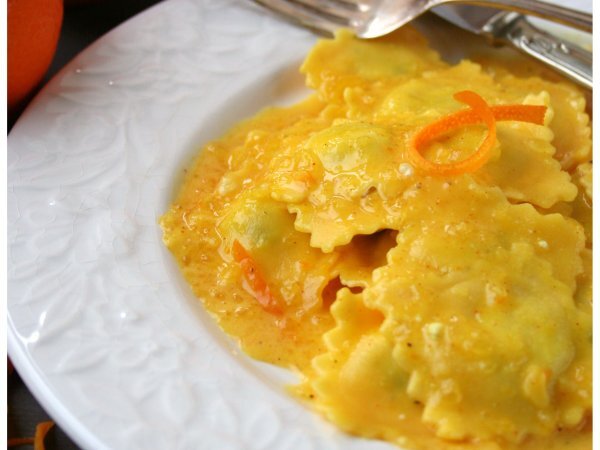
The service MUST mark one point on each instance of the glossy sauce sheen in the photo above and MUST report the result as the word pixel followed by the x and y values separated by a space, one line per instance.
pixel 432 312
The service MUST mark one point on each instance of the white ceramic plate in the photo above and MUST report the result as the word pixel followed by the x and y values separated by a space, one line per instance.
pixel 100 324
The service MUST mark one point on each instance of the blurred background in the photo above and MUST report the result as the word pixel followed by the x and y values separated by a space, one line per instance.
pixel 81 23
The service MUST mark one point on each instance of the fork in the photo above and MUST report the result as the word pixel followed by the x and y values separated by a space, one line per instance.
pixel 375 18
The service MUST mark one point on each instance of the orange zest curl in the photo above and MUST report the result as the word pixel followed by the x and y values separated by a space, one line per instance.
pixel 479 112
pixel 41 430
pixel 254 280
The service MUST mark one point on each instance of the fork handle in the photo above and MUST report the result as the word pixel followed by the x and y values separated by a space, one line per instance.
pixel 565 57
pixel 549 11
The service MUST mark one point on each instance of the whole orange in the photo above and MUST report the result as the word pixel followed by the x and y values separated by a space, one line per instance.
pixel 32 35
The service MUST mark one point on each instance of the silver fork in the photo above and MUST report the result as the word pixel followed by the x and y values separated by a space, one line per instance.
pixel 374 18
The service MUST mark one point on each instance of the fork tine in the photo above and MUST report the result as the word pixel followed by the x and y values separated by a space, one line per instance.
pixel 307 15
pixel 332 7
pixel 362 5
pixel 344 14
pixel 356 3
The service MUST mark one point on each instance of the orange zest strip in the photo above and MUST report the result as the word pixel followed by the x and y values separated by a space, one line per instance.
pixel 479 112
pixel 15 442
pixel 254 280
pixel 41 430
pixel 523 113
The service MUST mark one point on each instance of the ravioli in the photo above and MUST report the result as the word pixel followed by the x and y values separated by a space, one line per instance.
pixel 483 302
pixel 427 310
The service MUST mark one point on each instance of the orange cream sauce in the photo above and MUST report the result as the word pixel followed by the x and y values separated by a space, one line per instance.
pixel 432 312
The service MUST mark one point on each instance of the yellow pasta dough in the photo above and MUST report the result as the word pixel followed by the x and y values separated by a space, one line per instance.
pixel 446 312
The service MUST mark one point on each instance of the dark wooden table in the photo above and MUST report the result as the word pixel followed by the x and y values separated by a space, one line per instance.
pixel 84 22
